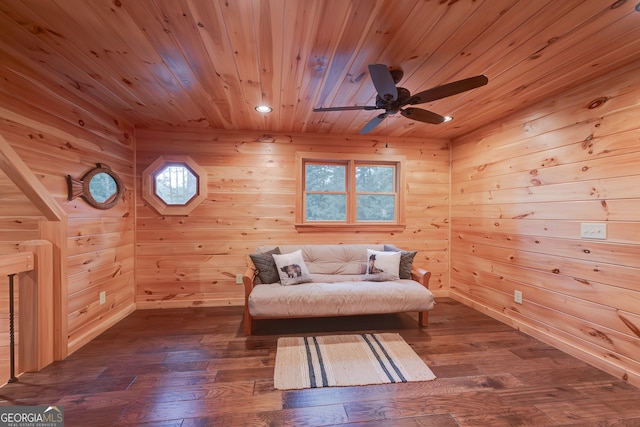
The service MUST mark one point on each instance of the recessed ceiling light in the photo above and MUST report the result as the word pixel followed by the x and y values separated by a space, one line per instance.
pixel 448 118
pixel 263 109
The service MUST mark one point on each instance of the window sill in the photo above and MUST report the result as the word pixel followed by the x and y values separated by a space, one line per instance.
pixel 354 228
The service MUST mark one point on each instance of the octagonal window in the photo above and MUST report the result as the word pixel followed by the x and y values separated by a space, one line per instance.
pixel 174 185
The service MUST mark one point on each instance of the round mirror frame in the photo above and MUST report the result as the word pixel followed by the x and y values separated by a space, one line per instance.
pixel 81 187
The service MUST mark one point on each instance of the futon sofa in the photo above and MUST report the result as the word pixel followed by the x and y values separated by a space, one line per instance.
pixel 296 281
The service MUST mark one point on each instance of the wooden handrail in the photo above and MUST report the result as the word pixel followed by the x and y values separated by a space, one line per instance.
pixel 16 263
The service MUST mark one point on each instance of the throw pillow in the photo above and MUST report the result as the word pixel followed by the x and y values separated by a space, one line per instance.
pixel 406 260
pixel 379 262
pixel 380 277
pixel 291 268
pixel 266 266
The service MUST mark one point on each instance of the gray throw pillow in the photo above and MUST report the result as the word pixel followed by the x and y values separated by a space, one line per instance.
pixel 266 266
pixel 406 260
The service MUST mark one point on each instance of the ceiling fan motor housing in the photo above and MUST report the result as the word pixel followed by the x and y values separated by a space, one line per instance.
pixel 393 107
pixel 396 74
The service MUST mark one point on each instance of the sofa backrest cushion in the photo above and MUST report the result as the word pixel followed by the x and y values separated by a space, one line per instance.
pixel 330 259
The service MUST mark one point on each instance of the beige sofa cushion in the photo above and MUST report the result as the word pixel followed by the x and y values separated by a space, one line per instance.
pixel 339 298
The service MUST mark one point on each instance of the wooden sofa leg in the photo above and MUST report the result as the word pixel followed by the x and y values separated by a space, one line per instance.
pixel 423 318
pixel 248 329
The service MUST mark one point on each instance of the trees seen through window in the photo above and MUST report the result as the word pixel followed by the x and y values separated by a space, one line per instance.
pixel 350 191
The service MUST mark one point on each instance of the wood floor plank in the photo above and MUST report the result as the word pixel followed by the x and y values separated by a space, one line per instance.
pixel 508 417
pixel 194 368
pixel 566 411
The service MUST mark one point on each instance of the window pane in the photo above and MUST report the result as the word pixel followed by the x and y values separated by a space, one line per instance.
pixel 325 178
pixel 375 208
pixel 375 179
pixel 176 185
pixel 326 207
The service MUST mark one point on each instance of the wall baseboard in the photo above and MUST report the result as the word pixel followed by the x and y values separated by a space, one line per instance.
pixel 152 305
pixel 80 340
pixel 602 362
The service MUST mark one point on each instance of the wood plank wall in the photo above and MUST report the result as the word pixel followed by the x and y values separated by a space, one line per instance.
pixel 520 190
pixel 56 134
pixel 193 260
pixel 13 229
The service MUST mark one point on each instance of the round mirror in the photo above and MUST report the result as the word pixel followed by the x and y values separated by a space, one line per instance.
pixel 103 187
pixel 100 187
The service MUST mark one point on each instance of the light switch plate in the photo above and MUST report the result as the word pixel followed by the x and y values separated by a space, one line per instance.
pixel 592 230
pixel 103 297
pixel 238 279
pixel 517 297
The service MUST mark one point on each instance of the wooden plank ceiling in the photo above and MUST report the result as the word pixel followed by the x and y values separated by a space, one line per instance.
pixel 207 63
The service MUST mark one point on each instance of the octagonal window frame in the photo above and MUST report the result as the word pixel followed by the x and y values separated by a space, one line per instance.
pixel 149 185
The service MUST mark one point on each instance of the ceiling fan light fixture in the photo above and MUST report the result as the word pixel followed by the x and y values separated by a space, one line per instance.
pixel 263 109
pixel 447 118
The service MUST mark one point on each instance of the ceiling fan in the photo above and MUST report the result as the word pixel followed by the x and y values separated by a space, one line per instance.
pixel 394 99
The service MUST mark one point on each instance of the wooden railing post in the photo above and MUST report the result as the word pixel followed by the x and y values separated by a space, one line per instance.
pixel 36 308
pixel 12 359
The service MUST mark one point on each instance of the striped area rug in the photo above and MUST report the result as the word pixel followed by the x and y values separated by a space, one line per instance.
pixel 346 360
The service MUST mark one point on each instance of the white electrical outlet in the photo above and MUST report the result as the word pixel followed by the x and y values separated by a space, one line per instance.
pixel 517 297
pixel 103 297
pixel 590 230
pixel 238 279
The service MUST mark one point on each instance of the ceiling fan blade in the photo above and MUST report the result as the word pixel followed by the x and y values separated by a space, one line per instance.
pixel 422 115
pixel 448 89
pixel 383 82
pixel 355 107
pixel 373 123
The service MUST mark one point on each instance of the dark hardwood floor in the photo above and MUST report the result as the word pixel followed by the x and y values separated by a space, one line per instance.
pixel 194 367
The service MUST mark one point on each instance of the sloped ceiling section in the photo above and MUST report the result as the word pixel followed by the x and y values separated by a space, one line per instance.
pixel 188 63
